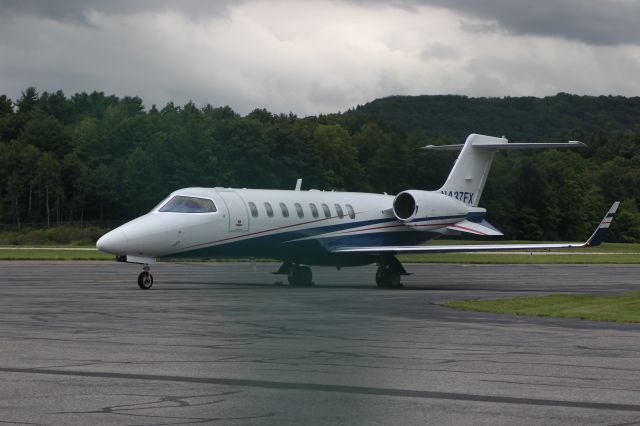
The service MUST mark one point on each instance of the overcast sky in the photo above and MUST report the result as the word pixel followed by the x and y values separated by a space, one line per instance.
pixel 319 56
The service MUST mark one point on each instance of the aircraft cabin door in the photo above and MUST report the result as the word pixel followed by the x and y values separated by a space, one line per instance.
pixel 237 210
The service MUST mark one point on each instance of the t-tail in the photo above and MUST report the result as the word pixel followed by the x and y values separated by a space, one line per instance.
pixel 469 173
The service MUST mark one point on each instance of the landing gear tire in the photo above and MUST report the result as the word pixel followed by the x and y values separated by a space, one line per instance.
pixel 145 280
pixel 388 277
pixel 394 279
pixel 300 276
pixel 382 277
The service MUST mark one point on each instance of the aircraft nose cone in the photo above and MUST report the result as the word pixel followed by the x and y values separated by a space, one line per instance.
pixel 113 242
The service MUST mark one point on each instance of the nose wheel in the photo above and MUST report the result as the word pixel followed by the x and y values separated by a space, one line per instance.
pixel 145 279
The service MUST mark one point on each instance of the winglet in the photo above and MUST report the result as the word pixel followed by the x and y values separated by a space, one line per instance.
pixel 601 232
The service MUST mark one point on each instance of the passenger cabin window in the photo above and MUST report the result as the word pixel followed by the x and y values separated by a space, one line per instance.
pixel 325 209
pixel 314 210
pixel 253 208
pixel 299 210
pixel 268 209
pixel 285 210
pixel 350 212
pixel 339 210
pixel 184 204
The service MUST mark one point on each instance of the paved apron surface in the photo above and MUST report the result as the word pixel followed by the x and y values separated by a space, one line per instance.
pixel 221 344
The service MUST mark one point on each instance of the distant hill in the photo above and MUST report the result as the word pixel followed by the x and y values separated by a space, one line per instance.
pixel 525 119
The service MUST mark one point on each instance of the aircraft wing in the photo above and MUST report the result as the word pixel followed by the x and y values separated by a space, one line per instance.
pixel 596 239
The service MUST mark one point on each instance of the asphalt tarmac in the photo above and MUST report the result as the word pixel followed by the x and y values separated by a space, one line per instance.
pixel 80 344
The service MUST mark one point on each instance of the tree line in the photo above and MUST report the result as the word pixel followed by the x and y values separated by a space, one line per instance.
pixel 96 157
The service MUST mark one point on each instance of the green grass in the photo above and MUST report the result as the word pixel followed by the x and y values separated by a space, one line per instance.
pixel 54 236
pixel 513 258
pixel 623 308
pixel 614 253
pixel 57 253
pixel 616 248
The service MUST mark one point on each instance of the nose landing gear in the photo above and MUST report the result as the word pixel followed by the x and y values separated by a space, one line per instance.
pixel 145 279
pixel 297 275
pixel 300 276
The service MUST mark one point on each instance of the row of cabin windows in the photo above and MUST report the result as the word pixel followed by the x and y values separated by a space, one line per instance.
pixel 300 212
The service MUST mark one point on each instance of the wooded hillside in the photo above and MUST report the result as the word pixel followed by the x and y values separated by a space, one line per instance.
pixel 94 157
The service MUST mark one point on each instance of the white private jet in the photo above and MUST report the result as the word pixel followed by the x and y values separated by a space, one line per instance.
pixel 303 228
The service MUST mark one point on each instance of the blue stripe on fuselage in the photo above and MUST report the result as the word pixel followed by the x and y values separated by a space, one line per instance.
pixel 311 251
pixel 283 245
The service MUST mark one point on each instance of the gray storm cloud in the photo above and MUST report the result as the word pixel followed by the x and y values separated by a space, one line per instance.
pixel 318 56
pixel 77 10
pixel 597 22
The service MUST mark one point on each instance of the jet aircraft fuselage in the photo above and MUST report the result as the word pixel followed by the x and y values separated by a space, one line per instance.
pixel 314 227
pixel 297 226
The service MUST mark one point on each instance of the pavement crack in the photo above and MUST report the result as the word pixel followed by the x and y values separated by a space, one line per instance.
pixel 317 387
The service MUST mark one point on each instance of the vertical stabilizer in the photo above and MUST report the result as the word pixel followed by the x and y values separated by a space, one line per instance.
pixel 469 173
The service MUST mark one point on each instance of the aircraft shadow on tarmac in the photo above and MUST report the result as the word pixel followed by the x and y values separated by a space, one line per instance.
pixel 188 285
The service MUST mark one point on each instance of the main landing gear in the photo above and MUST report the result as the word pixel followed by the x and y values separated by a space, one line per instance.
pixel 388 275
pixel 297 275
pixel 389 271
pixel 145 279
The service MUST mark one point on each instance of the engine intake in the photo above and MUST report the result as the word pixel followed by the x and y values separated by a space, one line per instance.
pixel 404 206
pixel 414 204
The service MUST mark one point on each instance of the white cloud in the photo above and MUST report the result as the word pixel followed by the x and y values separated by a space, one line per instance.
pixel 317 56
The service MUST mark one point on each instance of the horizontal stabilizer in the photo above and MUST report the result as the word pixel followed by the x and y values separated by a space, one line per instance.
pixel 570 144
pixel 482 228
pixel 507 145
pixel 596 238
pixel 471 169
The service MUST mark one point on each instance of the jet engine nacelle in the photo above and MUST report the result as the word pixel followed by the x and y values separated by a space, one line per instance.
pixel 412 205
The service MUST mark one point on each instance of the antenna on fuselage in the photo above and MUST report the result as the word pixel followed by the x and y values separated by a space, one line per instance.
pixel 298 184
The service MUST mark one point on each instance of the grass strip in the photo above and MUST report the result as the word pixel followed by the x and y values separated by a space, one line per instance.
pixel 524 258
pixel 620 308
pixel 608 253
pixel 603 248
pixel 52 254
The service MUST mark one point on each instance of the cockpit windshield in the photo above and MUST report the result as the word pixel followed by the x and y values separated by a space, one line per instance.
pixel 183 204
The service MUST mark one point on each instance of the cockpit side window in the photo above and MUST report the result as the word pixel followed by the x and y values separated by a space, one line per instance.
pixel 185 204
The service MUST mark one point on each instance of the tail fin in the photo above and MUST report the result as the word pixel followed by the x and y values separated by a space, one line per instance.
pixel 469 173
pixel 598 236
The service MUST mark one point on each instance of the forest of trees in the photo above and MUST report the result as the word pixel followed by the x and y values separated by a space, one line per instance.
pixel 95 158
